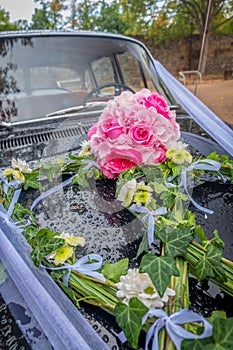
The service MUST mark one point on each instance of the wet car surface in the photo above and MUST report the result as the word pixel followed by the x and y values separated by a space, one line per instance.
pixel 53 88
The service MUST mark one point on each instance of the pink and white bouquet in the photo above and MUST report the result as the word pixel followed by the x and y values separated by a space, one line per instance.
pixel 133 129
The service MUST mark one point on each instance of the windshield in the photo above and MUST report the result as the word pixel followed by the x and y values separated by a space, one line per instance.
pixel 42 74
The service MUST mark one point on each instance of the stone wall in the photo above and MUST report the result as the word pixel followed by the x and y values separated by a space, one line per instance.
pixel 175 55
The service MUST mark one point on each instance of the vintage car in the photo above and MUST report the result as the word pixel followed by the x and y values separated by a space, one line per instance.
pixel 53 87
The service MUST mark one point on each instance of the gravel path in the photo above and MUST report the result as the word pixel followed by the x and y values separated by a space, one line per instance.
pixel 218 96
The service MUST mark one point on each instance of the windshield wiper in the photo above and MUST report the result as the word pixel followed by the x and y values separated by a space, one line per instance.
pixel 74 110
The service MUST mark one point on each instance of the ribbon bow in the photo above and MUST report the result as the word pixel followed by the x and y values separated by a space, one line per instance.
pixel 5 217
pixel 83 266
pixel 205 164
pixel 173 328
pixel 15 184
pixel 149 216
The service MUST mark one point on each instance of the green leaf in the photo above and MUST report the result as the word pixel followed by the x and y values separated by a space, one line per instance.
pixel 160 269
pixel 80 179
pixel 210 265
pixel 143 246
pixel 214 156
pixel 113 272
pixel 129 318
pixel 190 218
pixel 31 180
pixel 178 210
pixel 176 241
pixel 222 338
pixel 197 344
pixel 168 199
pixel 201 234
pixel 159 187
pixel 223 333
pixel 217 314
pixel 43 244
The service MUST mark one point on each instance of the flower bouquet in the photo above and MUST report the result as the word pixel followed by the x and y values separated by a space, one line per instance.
pixel 136 144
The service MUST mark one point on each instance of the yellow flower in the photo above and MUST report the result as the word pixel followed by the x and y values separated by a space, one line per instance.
pixel 17 175
pixel 178 153
pixel 178 158
pixel 74 241
pixel 142 187
pixel 171 152
pixel 142 197
pixel 188 157
pixel 62 254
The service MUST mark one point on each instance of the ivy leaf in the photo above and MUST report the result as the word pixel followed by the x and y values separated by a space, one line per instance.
pixel 44 243
pixel 113 272
pixel 129 318
pixel 176 241
pixel 168 199
pixel 159 187
pixel 222 338
pixel 49 170
pixel 210 264
pixel 197 344
pixel 223 333
pixel 31 180
pixel 217 314
pixel 160 269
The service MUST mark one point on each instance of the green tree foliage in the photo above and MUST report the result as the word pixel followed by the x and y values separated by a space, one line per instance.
pixel 49 16
pixel 207 16
pixel 5 23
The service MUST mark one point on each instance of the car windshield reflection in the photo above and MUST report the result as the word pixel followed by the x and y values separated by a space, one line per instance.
pixel 38 78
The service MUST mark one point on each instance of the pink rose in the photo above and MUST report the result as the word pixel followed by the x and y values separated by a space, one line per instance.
pixel 160 154
pixel 141 135
pixel 119 160
pixel 91 131
pixel 111 128
pixel 158 102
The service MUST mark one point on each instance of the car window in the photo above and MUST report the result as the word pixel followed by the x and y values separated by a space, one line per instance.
pixel 103 71
pixel 131 71
pixel 42 75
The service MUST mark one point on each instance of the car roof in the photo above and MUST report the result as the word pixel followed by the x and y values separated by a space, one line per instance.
pixel 79 33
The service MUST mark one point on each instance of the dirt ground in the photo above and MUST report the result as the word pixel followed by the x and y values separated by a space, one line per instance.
pixel 217 94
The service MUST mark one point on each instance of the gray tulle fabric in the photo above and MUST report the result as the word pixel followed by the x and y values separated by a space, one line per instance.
pixel 206 118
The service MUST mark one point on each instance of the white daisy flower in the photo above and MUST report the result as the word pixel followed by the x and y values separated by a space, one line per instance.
pixel 21 165
pixel 139 285
pixel 127 192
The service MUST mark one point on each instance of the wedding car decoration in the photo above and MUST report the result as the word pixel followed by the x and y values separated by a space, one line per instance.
pixel 136 143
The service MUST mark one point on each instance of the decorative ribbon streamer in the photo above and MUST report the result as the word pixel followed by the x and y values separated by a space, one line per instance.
pixel 172 326
pixel 90 163
pixel 204 164
pixel 83 266
pixel 150 217
pixel 50 191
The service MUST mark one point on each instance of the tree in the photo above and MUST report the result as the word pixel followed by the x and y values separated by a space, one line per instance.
pixel 5 23
pixel 208 15
pixel 49 16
